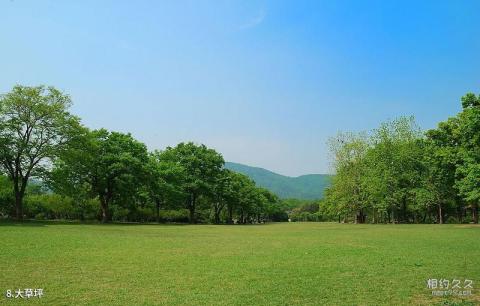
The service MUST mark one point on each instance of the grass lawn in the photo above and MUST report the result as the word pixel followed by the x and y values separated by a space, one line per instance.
pixel 274 264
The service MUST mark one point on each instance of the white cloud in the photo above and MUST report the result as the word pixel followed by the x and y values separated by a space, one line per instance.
pixel 258 19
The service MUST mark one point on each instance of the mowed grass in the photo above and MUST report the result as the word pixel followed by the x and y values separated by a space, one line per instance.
pixel 272 264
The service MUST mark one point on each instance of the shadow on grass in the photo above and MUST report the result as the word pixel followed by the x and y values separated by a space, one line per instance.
pixel 40 223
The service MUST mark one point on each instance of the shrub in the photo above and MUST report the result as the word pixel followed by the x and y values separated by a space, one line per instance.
pixel 451 220
pixel 49 206
pixel 181 215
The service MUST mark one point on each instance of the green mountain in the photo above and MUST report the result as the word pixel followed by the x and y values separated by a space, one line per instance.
pixel 306 187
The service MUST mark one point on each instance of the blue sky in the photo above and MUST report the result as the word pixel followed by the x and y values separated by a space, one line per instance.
pixel 266 83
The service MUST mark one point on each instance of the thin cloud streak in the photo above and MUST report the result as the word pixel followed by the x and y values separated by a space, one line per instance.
pixel 254 21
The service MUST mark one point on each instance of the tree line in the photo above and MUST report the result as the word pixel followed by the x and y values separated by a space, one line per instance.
pixel 54 167
pixel 399 174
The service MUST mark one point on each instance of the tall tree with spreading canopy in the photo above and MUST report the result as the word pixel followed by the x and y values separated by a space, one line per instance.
pixel 35 125
pixel 112 164
pixel 202 168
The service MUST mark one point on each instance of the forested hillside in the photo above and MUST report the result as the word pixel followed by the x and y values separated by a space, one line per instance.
pixel 307 187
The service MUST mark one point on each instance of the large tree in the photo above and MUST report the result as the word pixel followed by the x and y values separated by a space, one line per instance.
pixel 454 157
pixel 237 189
pixel 376 173
pixel 111 164
pixel 244 200
pixel 395 167
pixel 69 174
pixel 222 193
pixel 163 181
pixel 441 159
pixel 468 171
pixel 202 168
pixel 349 151
pixel 35 126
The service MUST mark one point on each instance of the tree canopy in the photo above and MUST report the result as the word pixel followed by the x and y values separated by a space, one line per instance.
pixel 397 173
pixel 35 126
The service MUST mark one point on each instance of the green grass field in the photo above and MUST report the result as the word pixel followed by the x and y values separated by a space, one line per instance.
pixel 274 264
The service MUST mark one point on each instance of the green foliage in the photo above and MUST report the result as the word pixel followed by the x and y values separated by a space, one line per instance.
pixel 394 174
pixel 49 206
pixel 106 165
pixel 6 196
pixel 346 195
pixel 55 206
pixel 399 174
pixel 35 126
pixel 179 215
pixel 163 182
pixel 307 211
pixel 201 167
pixel 468 136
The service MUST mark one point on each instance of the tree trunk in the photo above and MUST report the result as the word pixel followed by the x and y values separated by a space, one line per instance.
pixel 230 214
pixel 191 208
pixel 18 206
pixel 192 215
pixel 217 213
pixel 105 212
pixel 218 208
pixel 360 217
pixel 82 211
pixel 460 214
pixel 440 214
pixel 404 209
pixel 19 194
pixel 475 213
pixel 157 201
